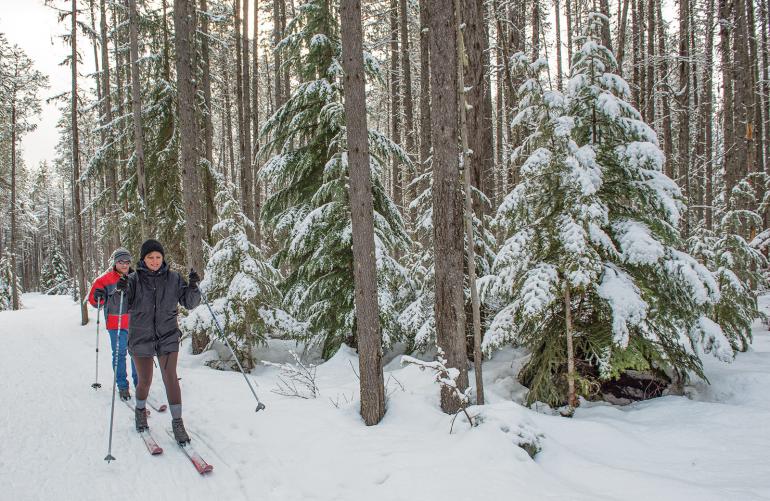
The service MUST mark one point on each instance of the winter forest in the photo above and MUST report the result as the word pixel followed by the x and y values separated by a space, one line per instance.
pixel 578 191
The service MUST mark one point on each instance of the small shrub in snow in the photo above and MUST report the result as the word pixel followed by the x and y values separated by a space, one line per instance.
pixel 296 379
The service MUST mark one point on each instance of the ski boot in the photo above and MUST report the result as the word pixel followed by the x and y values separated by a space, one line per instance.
pixel 140 417
pixel 180 434
pixel 124 394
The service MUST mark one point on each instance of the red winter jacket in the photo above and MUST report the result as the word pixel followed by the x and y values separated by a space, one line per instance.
pixel 107 282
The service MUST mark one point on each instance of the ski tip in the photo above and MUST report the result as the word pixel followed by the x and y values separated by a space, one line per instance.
pixel 108 458
pixel 206 469
pixel 157 451
pixel 260 406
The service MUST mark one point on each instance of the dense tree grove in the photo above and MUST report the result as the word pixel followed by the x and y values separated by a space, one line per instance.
pixel 617 157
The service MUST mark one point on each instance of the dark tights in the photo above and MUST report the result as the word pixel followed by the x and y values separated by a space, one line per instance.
pixel 167 365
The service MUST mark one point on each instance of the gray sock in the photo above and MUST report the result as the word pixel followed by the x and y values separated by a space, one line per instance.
pixel 140 404
pixel 176 411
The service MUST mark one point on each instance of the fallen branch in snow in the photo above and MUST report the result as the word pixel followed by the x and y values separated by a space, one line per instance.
pixel 445 377
pixel 295 380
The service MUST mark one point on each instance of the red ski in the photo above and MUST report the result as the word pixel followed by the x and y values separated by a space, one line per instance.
pixel 200 464
pixel 150 442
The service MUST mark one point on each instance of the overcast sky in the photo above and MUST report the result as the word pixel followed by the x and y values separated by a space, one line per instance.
pixel 35 28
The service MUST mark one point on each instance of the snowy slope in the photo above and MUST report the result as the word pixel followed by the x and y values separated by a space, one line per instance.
pixel 53 433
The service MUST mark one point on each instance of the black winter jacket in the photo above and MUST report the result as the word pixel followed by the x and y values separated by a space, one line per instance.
pixel 151 299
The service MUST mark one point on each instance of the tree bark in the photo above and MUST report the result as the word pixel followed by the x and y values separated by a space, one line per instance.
pixel 208 124
pixel 247 158
pixel 479 113
pixel 572 400
pixel 622 24
pixel 76 210
pixel 397 192
pixel 409 131
pixel 668 135
pixel 110 167
pixel 185 27
pixel 707 102
pixel 14 240
pixel 728 134
pixel 277 59
pixel 255 126
pixel 470 246
pixel 447 203
pixel 651 66
pixel 683 105
pixel 557 20
pixel 362 216
pixel 136 105
pixel 425 119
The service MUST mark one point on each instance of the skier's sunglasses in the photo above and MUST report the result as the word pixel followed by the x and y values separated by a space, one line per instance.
pixel 123 262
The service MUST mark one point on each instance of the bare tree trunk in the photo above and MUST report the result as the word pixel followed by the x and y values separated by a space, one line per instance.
pixel 229 117
pixel 635 94
pixel 572 400
pixel 559 71
pixel 185 27
pixel 622 24
pixel 668 135
pixel 277 59
pixel 255 125
pixel 136 105
pixel 744 91
pixel 651 66
pixel 243 129
pixel 535 29
pixel 395 107
pixel 246 131
pixel 568 16
pixel 425 119
pixel 479 114
pixel 77 218
pixel 707 122
pixel 729 160
pixel 604 7
pixel 14 240
pixel 683 104
pixel 208 124
pixel 765 29
pixel 470 246
pixel 409 132
pixel 362 216
pixel 447 203
pixel 110 168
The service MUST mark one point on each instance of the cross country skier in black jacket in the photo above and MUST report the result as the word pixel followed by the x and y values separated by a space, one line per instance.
pixel 151 295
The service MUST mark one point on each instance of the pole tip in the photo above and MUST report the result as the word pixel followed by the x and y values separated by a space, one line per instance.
pixel 96 386
pixel 260 406
pixel 108 458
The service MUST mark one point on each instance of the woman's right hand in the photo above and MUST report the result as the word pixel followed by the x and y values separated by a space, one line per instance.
pixel 122 285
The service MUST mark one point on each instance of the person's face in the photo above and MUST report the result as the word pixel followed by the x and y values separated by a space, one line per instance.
pixel 122 266
pixel 153 260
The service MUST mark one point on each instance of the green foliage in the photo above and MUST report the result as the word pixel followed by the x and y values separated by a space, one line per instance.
pixel 308 211
pixel 7 278
pixel 54 277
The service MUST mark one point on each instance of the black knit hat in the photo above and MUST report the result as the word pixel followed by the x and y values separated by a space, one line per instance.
pixel 151 246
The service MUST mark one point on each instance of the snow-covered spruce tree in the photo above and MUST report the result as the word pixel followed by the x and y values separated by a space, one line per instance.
pixel 417 318
pixel 54 278
pixel 737 264
pixel 309 210
pixel 637 302
pixel 552 223
pixel 7 276
pixel 241 287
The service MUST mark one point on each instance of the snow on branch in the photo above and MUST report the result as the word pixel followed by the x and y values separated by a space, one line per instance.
pixel 295 379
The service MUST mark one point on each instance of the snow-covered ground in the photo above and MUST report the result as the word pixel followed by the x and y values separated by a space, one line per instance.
pixel 714 445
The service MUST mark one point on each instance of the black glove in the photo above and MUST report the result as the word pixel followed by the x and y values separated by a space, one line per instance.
pixel 193 278
pixel 122 285
pixel 100 295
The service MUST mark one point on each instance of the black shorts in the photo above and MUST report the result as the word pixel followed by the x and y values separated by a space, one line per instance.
pixel 146 346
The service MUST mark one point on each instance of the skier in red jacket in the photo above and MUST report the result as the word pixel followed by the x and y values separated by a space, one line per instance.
pixel 100 291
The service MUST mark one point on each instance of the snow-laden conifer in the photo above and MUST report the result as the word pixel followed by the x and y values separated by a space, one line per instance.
pixel 7 277
pixel 241 287
pixel 308 210
pixel 54 277
pixel 417 317
pixel 596 211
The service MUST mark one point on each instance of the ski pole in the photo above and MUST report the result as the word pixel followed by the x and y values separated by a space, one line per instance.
pixel 96 384
pixel 260 405
pixel 109 457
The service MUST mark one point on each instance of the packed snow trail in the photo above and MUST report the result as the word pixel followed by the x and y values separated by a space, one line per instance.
pixel 54 427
